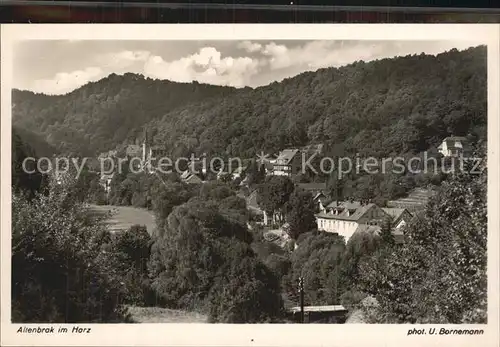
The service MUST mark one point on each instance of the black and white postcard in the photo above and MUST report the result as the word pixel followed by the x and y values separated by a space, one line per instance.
pixel 250 185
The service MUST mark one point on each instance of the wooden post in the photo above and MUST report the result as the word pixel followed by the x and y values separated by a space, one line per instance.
pixel 301 291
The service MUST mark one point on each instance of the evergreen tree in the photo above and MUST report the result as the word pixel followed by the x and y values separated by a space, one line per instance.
pixel 386 233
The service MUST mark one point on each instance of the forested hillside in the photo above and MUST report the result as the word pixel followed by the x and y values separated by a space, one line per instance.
pixel 100 115
pixel 391 106
pixel 383 107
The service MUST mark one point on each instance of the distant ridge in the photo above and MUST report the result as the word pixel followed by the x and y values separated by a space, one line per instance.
pixel 381 108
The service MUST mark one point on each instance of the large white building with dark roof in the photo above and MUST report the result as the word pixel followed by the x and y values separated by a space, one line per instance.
pixel 345 218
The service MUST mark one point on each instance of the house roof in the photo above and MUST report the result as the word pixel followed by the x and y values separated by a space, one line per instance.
pixel 320 195
pixel 326 308
pixel 333 203
pixel 315 148
pixel 351 204
pixel 451 142
pixel 189 176
pixel 358 212
pixel 395 213
pixel 456 138
pixel 192 177
pixel 107 176
pixel 287 155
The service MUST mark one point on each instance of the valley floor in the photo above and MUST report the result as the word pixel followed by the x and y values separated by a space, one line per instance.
pixel 123 217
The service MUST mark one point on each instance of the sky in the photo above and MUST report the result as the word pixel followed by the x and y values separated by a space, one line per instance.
pixel 61 66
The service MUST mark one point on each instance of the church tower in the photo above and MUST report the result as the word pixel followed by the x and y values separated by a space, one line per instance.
pixel 145 145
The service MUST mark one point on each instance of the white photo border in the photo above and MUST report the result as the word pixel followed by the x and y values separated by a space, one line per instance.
pixel 248 334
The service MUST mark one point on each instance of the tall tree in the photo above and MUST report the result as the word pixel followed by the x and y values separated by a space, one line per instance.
pixel 300 210
pixel 273 195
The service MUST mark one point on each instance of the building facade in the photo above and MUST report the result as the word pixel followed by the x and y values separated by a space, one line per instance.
pixel 288 163
pixel 454 146
pixel 345 218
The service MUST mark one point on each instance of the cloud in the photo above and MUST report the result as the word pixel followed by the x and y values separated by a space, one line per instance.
pixel 205 66
pixel 318 54
pixel 64 82
pixel 250 47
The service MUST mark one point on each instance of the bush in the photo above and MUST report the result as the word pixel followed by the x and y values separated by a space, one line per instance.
pixel 132 249
pixel 203 261
pixel 439 274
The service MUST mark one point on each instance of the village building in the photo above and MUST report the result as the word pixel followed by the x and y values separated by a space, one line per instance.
pixel 105 182
pixel 454 146
pixel 190 178
pixel 400 216
pixel 221 174
pixel 345 218
pixel 133 151
pixel 269 164
pixel 415 201
pixel 232 175
pixel 244 182
pixel 321 200
pixel 288 163
pixel 156 153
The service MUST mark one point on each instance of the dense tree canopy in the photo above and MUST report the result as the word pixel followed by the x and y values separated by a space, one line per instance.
pixel 317 260
pixel 203 260
pixel 439 274
pixel 382 108
pixel 300 210
pixel 60 269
